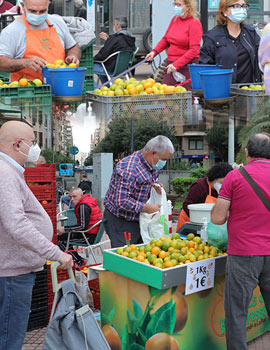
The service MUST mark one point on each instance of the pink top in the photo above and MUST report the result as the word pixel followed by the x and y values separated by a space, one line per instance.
pixel 249 220
pixel 182 39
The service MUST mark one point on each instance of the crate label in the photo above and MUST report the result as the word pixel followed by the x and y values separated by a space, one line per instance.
pixel 200 276
pixel 150 106
pixel 70 83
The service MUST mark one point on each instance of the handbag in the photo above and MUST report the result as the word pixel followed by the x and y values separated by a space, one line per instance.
pixel 255 187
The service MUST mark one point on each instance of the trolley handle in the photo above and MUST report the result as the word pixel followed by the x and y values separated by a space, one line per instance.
pixel 57 286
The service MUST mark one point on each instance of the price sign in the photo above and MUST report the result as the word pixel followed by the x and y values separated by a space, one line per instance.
pixel 200 276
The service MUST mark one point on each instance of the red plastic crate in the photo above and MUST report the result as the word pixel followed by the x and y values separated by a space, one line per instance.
pixel 42 187
pixel 51 204
pixel 96 299
pixel 41 173
pixel 94 284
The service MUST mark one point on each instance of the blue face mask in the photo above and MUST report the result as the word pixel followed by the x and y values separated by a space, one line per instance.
pixel 178 11
pixel 160 164
pixel 36 20
pixel 238 15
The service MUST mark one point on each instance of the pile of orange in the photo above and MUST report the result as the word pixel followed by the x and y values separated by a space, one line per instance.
pixel 132 86
pixel 171 251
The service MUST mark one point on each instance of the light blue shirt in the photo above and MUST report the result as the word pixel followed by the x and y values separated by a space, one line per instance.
pixel 13 162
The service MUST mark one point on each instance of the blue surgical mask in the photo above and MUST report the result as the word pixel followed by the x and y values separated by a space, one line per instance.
pixel 238 15
pixel 178 11
pixel 36 20
pixel 160 164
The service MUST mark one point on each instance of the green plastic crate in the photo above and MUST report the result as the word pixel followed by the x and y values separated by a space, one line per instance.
pixel 87 59
pixel 5 77
pixel 35 102
pixel 88 84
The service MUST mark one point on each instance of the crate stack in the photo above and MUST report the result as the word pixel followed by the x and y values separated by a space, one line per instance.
pixel 42 182
pixel 38 317
pixel 87 61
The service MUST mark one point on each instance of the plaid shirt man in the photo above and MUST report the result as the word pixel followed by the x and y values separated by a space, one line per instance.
pixel 130 187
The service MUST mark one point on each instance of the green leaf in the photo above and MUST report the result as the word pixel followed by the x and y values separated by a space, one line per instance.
pixel 156 292
pixel 166 322
pixel 141 339
pixel 125 338
pixel 22 76
pixel 31 83
pixel 137 309
pixel 133 322
pixel 146 318
pixel 150 330
pixel 135 346
pixel 173 290
pixel 111 314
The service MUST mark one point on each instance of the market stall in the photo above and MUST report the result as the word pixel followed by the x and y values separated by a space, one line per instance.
pixel 144 307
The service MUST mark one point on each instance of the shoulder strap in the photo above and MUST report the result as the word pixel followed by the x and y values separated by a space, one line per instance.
pixel 255 187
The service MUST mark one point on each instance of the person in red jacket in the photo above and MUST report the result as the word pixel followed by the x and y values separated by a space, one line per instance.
pixel 87 213
pixel 182 42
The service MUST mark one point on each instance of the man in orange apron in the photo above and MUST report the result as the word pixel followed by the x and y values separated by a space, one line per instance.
pixel 35 39
pixel 204 190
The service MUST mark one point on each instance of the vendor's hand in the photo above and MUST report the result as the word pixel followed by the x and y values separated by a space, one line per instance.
pixel 171 68
pixel 157 187
pixel 72 59
pixel 150 56
pixel 66 261
pixel 150 208
pixel 103 35
pixel 34 63
pixel 61 230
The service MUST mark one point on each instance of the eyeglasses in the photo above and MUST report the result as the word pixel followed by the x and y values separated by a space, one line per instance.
pixel 34 142
pixel 238 6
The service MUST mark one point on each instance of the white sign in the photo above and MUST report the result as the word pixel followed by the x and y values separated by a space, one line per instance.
pixel 200 276
pixel 91 13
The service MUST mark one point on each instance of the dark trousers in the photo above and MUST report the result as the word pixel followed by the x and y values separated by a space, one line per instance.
pixel 115 228
pixel 243 275
pixel 78 238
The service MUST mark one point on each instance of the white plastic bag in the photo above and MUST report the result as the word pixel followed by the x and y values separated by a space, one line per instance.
pixel 154 226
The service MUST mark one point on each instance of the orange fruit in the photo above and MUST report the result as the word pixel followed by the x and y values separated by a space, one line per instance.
pixel 161 341
pixel 112 337
pixel 23 82
pixel 140 258
pixel 156 250
pixel 191 244
pixel 72 65
pixel 133 246
pixel 147 85
pixel 149 90
pixel 43 202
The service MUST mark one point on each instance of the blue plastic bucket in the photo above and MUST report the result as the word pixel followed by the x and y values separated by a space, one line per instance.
pixel 67 81
pixel 46 77
pixel 194 70
pixel 216 83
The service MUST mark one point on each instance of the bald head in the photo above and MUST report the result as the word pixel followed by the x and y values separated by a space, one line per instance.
pixel 37 7
pixel 16 136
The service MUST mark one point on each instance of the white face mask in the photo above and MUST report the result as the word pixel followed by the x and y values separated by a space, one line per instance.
pixel 33 154
pixel 217 186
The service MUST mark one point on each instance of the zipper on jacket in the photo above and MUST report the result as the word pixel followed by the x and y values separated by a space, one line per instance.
pixel 252 60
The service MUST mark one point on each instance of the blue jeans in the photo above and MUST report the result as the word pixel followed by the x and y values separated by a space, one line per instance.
pixel 15 304
pixel 99 69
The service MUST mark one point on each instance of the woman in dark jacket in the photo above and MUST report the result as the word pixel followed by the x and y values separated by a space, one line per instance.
pixel 232 43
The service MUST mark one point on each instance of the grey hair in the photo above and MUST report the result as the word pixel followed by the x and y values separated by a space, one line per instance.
pixel 160 144
pixel 258 145
pixel 76 189
pixel 78 3
pixel 122 21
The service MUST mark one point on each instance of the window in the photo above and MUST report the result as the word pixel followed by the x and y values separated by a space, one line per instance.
pixel 195 143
